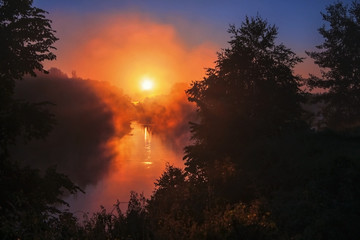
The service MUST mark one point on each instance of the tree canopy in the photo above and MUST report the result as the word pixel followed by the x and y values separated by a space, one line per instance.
pixel 30 198
pixel 26 40
pixel 339 59
pixel 252 93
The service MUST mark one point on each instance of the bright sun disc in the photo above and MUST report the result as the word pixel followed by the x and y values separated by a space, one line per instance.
pixel 146 84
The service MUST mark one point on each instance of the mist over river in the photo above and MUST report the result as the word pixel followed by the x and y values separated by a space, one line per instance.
pixel 142 158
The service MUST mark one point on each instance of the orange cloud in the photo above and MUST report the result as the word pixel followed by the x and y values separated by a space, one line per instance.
pixel 122 49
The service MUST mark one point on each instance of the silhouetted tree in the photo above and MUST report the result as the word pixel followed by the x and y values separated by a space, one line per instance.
pixel 237 221
pixel 28 206
pixel 251 94
pixel 339 59
pixel 26 40
pixel 136 216
pixel 170 209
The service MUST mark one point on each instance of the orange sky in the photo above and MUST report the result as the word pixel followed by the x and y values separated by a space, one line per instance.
pixel 122 49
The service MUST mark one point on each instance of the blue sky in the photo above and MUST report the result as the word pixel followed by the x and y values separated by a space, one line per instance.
pixel 298 20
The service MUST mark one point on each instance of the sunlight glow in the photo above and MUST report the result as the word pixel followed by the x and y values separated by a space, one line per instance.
pixel 147 84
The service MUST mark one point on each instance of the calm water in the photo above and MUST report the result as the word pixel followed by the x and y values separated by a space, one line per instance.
pixel 141 160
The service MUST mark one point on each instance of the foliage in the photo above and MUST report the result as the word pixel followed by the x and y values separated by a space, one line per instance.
pixel 136 216
pixel 252 84
pixel 237 221
pixel 339 57
pixel 115 224
pixel 28 207
pixel 170 215
pixel 26 40
pixel 250 97
pixel 104 225
pixel 23 120
pixel 30 199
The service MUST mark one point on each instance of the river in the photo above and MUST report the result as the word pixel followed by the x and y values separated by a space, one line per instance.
pixel 141 160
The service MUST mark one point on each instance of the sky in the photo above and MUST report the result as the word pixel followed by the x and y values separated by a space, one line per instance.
pixel 123 41
pixel 106 50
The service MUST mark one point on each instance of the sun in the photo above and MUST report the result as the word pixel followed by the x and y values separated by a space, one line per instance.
pixel 147 84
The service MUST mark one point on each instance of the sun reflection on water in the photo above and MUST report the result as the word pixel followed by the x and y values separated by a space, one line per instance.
pixel 141 159
pixel 147 140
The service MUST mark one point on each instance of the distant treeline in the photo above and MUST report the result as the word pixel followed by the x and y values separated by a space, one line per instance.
pixel 261 166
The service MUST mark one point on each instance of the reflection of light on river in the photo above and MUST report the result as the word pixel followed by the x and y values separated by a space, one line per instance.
pixel 147 139
pixel 141 158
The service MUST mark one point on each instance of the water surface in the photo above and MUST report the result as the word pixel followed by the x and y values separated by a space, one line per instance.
pixel 142 157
